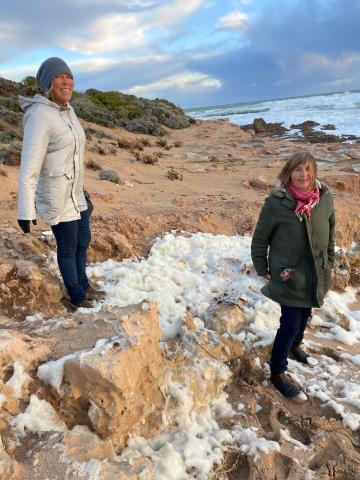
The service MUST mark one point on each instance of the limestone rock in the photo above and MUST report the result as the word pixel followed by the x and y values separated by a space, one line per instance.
pixel 346 270
pixel 106 245
pixel 225 318
pixel 33 285
pixel 142 469
pixel 83 445
pixel 118 386
pixel 15 346
pixel 5 269
pixel 9 469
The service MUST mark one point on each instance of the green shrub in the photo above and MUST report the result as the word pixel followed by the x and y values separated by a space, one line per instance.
pixel 111 176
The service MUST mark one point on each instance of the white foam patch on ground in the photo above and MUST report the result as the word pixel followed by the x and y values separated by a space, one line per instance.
pixel 186 274
pixel 39 416
pixel 18 380
pixel 196 445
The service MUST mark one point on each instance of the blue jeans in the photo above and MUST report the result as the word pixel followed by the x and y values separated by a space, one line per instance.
pixel 293 322
pixel 72 241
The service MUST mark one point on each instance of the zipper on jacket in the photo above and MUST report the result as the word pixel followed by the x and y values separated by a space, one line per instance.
pixel 76 152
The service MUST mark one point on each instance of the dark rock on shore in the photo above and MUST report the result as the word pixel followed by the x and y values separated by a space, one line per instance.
pixel 305 125
pixel 319 136
pixel 260 127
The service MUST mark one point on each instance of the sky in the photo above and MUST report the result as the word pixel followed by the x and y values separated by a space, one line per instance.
pixel 191 52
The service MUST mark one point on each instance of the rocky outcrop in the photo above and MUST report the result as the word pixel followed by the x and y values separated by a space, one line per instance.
pixel 117 386
pixel 109 109
pixel 109 245
pixel 346 270
pixel 262 128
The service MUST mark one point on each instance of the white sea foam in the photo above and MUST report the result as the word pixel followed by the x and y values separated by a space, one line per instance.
pixel 187 274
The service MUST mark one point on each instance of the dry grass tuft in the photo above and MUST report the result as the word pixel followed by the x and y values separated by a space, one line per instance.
pixel 173 174
pixel 92 164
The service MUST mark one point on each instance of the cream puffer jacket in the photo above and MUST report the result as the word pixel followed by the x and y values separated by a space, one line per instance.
pixel 51 170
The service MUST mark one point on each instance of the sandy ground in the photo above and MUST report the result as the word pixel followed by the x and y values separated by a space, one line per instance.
pixel 217 161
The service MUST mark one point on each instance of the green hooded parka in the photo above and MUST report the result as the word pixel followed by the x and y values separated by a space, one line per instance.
pixel 281 241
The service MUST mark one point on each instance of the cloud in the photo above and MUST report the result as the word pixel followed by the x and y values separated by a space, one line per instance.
pixel 108 33
pixel 177 12
pixel 125 5
pixel 186 82
pixel 99 64
pixel 233 21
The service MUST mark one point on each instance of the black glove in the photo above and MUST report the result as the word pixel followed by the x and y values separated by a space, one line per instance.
pixel 25 225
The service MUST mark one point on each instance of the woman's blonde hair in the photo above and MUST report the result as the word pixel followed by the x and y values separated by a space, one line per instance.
pixel 48 93
pixel 292 163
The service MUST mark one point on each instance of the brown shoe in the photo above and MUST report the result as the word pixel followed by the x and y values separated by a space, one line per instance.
pixel 284 385
pixel 94 294
pixel 71 307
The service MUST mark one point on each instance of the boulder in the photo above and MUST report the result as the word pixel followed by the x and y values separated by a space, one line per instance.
pixel 117 386
pixel 267 129
pixel 15 346
pixel 106 245
pixel 225 317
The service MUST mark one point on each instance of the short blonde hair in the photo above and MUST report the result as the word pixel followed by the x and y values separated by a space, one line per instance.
pixel 292 163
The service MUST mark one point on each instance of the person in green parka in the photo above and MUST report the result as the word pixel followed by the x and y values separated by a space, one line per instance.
pixel 293 249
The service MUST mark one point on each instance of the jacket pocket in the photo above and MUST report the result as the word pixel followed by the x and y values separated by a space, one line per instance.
pixel 289 271
pixel 69 176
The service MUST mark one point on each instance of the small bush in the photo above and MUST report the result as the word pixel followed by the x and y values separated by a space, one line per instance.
pixel 177 144
pixel 9 136
pixel 92 164
pixel 161 142
pixel 111 176
pixel 150 158
pixel 89 132
pixel 125 144
pixel 213 159
pixel 172 174
pixel 129 145
pixel 144 141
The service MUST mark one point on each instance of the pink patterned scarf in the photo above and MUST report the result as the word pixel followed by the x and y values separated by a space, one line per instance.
pixel 306 200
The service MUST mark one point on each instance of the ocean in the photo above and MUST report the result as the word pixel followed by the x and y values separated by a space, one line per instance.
pixel 339 109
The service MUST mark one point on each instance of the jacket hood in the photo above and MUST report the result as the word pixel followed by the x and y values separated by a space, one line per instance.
pixel 26 102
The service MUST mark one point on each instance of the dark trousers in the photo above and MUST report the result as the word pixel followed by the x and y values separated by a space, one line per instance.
pixel 293 322
pixel 72 241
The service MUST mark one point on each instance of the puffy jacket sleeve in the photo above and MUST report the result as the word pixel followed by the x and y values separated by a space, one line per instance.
pixel 331 245
pixel 35 144
pixel 261 239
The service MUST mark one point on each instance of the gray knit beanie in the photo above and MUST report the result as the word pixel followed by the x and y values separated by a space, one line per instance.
pixel 49 69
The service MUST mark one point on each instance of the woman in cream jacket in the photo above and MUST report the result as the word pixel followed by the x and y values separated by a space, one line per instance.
pixel 52 172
